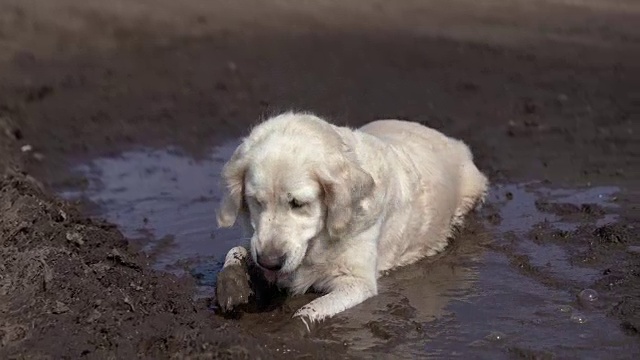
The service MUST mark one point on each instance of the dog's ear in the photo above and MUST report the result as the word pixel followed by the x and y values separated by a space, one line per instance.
pixel 233 175
pixel 346 185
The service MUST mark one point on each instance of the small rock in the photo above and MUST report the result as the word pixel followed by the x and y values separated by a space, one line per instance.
pixel 75 237
pixel 95 315
pixel 60 308
pixel 136 287
pixel 129 302
pixel 26 148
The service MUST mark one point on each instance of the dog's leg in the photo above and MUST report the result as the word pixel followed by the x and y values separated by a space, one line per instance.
pixel 347 292
pixel 349 288
pixel 233 286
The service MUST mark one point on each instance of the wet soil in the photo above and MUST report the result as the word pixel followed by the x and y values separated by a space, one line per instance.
pixel 114 120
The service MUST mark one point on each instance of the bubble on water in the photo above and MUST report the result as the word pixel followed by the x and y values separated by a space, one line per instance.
pixel 588 296
pixel 495 336
pixel 579 318
pixel 565 308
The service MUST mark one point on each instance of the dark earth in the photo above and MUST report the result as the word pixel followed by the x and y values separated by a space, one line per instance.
pixel 543 91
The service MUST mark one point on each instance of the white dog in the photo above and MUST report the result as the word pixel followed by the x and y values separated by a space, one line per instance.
pixel 332 208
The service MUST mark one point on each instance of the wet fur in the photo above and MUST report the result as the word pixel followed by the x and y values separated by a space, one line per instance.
pixel 384 196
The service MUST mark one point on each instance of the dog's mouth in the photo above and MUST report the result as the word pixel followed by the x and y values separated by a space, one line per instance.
pixel 283 272
pixel 273 276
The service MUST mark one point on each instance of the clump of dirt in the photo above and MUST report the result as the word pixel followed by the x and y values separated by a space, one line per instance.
pixel 612 234
pixel 568 209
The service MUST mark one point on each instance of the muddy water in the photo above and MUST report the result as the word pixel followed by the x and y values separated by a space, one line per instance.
pixel 498 291
pixel 164 201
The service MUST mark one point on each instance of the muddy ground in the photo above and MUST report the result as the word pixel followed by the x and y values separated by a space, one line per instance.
pixel 542 91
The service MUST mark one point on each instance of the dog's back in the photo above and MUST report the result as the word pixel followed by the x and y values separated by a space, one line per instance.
pixel 441 184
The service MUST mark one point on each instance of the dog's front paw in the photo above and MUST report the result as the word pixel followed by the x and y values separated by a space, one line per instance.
pixel 233 288
pixel 307 313
pixel 306 318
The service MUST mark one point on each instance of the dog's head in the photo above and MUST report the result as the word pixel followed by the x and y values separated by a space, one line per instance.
pixel 292 179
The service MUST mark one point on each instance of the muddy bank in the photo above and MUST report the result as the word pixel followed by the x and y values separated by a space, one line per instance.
pixel 72 287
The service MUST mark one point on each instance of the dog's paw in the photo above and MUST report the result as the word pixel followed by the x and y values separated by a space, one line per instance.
pixel 307 313
pixel 233 288
pixel 307 319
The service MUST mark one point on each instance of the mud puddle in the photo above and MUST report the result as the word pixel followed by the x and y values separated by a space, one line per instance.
pixel 500 290
pixel 165 202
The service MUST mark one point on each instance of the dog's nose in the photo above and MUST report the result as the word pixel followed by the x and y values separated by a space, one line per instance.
pixel 271 262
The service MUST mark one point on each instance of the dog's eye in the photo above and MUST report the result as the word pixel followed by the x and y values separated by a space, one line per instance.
pixel 295 204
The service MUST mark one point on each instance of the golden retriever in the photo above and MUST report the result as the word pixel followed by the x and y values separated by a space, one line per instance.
pixel 332 208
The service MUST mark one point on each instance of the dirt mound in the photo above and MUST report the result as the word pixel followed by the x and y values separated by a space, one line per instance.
pixel 63 271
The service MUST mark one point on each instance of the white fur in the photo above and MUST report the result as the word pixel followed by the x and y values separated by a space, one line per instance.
pixel 379 197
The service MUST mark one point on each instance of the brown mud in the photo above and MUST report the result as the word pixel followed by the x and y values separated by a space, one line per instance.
pixel 115 117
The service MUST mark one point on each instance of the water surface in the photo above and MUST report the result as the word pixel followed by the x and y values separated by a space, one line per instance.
pixel 476 300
